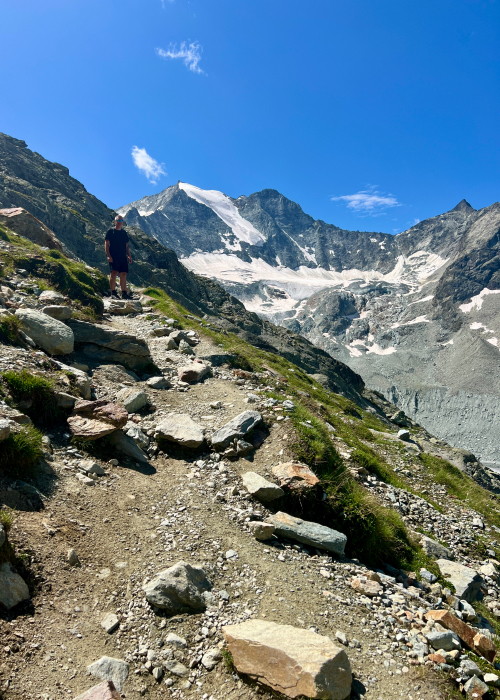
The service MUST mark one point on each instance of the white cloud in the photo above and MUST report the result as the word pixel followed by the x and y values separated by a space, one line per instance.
pixel 369 201
pixel 147 165
pixel 189 53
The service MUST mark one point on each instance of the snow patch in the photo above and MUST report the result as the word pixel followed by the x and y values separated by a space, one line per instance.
pixel 493 341
pixel 477 301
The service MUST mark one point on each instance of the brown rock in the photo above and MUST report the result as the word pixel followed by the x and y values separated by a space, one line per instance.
pixel 437 658
pixel 192 372
pixel 25 224
pixel 367 587
pixel 474 640
pixel 92 420
pixel 104 691
pixel 296 476
pixel 290 660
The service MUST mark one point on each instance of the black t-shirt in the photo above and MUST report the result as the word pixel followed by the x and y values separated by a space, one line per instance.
pixel 117 243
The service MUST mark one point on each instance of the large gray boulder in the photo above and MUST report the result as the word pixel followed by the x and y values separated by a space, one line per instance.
pixel 293 661
pixel 182 429
pixel 261 488
pixel 48 333
pixel 13 589
pixel 108 669
pixel 467 582
pixel 180 586
pixel 108 345
pixel 238 427
pixel 308 533
pixel 446 640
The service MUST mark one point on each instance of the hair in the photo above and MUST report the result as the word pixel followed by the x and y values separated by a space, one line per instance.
pixel 119 216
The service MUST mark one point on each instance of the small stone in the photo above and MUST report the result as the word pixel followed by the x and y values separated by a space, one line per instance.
pixel 447 640
pixel 176 668
pixel 158 383
pixel 467 581
pixel 261 488
pixel 211 658
pixel 308 533
pixel 182 429
pixel 109 669
pixel 158 673
pixel 61 313
pixel 428 576
pixel 110 623
pixel 174 640
pixel 475 688
pixel 492 679
pixel 231 555
pixel 193 372
pixel 261 531
pixel 185 348
pixel 295 476
pixel 86 480
pixel 435 549
pixel 367 587
pixel 180 586
pixel 131 399
pixel 341 637
pixel 4 429
pixel 72 558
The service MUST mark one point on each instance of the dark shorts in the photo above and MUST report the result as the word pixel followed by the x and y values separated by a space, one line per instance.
pixel 119 265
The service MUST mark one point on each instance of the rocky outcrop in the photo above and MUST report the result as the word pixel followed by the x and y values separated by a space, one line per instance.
pixel 292 661
pixel 28 226
pixel 108 345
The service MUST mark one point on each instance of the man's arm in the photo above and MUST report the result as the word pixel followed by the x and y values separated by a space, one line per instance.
pixel 106 248
pixel 128 253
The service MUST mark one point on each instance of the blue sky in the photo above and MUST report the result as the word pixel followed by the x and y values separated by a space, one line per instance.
pixel 370 114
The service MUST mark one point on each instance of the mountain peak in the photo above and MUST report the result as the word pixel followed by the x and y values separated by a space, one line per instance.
pixel 463 206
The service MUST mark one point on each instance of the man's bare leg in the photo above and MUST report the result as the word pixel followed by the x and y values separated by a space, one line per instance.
pixel 123 281
pixel 112 280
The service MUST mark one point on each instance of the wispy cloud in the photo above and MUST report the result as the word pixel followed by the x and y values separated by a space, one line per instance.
pixel 147 165
pixel 190 54
pixel 369 201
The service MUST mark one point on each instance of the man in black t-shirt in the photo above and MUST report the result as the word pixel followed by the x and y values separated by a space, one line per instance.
pixel 118 254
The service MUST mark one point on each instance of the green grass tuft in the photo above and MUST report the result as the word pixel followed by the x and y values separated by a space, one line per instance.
pixel 6 518
pixel 20 452
pixel 9 329
pixel 37 392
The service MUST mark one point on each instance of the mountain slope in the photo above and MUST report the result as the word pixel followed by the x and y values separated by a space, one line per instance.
pixel 412 313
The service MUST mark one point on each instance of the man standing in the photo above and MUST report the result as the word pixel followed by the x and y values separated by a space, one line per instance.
pixel 118 254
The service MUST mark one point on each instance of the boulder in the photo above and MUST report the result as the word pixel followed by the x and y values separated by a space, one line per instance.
pixel 109 669
pixel 158 383
pixel 261 488
pixel 261 531
pixel 4 429
pixel 476 641
pixel 127 445
pixel 132 399
pixel 295 476
pixel 61 313
pixel 308 533
pixel 447 640
pixel 475 688
pixel 92 420
pixel 49 295
pixel 238 427
pixel 49 334
pixel 292 661
pixel 404 435
pixel 182 429
pixel 181 586
pixel 25 224
pixel 108 345
pixel 104 691
pixel 13 589
pixel 185 348
pixel 122 307
pixel 65 400
pixel 467 581
pixel 192 372
pixel 435 549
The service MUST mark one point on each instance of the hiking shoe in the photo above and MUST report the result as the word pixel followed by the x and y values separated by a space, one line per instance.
pixel 114 294
pixel 126 295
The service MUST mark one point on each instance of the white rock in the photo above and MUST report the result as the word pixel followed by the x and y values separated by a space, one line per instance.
pixel 13 589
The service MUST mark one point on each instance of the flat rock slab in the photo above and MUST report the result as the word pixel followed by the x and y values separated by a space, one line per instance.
pixel 295 662
pixel 476 641
pixel 295 476
pixel 308 533
pixel 180 586
pixel 110 623
pixel 182 429
pixel 13 589
pixel 261 488
pixel 192 372
pixel 61 313
pixel 467 582
pixel 92 420
pixel 49 334
pixel 132 399
pixel 122 307
pixel 109 669
pixel 238 427
pixel 108 345
pixel 104 691
pixel 159 383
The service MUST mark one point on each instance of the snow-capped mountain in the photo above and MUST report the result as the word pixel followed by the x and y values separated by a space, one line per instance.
pixel 417 314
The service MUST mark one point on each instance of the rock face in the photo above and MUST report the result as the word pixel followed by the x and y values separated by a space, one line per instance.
pixel 238 427
pixel 13 589
pixel 292 661
pixel 49 334
pixel 295 476
pixel 308 533
pixel 181 586
pixel 435 549
pixel 108 345
pixel 25 224
pixel 261 488
pixel 466 581
pixel 109 669
pixel 95 419
pixel 131 399
pixel 182 429
pixel 192 372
